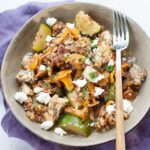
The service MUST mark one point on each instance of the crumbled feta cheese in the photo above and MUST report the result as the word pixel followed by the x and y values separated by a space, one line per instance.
pixel 46 125
pixel 43 98
pixel 70 25
pixel 42 68
pixel 127 106
pixel 110 109
pixel 111 62
pixel 100 77
pixel 98 91
pixel 38 89
pixel 124 59
pixel 51 21
pixel 80 83
pixel 94 42
pixel 48 38
pixel 21 97
pixel 60 131
pixel 88 62
pixel 87 75
pixel 131 60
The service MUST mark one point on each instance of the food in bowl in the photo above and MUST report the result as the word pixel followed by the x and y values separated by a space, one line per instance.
pixel 67 81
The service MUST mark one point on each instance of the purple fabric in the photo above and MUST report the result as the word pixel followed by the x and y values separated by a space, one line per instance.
pixel 10 22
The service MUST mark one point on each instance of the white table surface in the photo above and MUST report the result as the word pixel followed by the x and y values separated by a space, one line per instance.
pixel 139 10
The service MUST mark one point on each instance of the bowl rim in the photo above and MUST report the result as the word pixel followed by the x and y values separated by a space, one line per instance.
pixel 13 41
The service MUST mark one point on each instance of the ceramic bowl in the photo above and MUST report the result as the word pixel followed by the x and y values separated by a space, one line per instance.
pixel 21 44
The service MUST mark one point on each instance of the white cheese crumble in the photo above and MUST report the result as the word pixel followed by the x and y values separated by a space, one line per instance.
pixel 131 60
pixel 110 109
pixel 98 91
pixel 70 25
pixel 111 62
pixel 43 98
pixel 100 77
pixel 124 59
pixel 48 38
pixel 127 106
pixel 88 62
pixel 80 83
pixel 42 68
pixel 46 125
pixel 51 21
pixel 88 70
pixel 60 131
pixel 38 89
pixel 20 97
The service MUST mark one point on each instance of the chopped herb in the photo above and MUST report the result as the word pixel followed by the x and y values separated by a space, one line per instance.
pixel 94 43
pixel 66 57
pixel 110 68
pixel 95 46
pixel 93 75
pixel 52 78
pixel 84 92
pixel 60 91
pixel 81 59
pixel 105 98
pixel 111 93
pixel 46 85
pixel 52 46
pixel 125 53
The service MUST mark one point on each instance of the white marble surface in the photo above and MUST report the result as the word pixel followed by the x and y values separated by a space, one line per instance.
pixel 136 9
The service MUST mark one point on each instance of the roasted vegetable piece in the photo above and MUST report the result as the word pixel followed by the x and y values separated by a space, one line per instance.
pixel 75 125
pixel 111 77
pixel 76 60
pixel 34 62
pixel 74 99
pixel 86 25
pixel 82 113
pixel 91 88
pixel 109 102
pixel 111 93
pixel 129 94
pixel 75 33
pixel 39 43
pixel 63 35
pixel 65 77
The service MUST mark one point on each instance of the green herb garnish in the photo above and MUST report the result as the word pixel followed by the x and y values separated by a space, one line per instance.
pixel 81 59
pixel 66 57
pixel 110 68
pixel 94 43
pixel 95 46
pixel 52 78
pixel 46 85
pixel 84 92
pixel 60 91
pixel 111 93
pixel 93 75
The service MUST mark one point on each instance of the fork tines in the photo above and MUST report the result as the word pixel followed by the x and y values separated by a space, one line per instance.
pixel 120 27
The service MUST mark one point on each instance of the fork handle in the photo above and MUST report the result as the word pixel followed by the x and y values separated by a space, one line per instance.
pixel 120 140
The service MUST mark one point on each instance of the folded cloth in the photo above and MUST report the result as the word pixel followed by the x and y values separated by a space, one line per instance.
pixel 10 22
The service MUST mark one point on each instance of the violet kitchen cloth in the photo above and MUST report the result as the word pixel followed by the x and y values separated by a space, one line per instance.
pixel 10 22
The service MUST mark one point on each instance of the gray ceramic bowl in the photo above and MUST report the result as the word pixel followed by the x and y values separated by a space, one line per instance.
pixel 21 44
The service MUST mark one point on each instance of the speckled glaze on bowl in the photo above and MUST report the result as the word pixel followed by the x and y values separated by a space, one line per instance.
pixel 139 45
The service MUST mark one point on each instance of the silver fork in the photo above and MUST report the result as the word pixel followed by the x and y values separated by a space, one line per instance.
pixel 120 42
